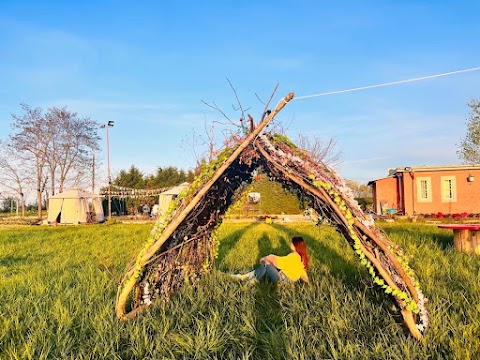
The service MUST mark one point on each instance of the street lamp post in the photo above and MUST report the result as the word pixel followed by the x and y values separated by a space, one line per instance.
pixel 106 126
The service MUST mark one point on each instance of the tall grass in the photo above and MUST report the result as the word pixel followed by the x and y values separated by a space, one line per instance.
pixel 58 288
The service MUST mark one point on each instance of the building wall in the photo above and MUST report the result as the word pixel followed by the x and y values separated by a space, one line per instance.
pixel 385 193
pixel 430 192
pixel 408 185
pixel 466 195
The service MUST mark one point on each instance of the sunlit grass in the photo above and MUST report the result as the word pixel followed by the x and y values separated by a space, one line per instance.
pixel 58 288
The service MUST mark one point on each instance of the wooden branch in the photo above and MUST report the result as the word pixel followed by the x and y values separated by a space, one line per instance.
pixel 269 100
pixel 391 257
pixel 250 119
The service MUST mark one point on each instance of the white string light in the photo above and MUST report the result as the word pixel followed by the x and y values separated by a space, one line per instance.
pixel 387 84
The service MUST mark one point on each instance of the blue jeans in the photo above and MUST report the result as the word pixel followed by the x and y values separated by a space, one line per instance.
pixel 267 272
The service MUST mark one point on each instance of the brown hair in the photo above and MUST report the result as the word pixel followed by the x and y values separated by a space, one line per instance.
pixel 301 249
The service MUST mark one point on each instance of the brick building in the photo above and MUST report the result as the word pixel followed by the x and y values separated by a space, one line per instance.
pixel 428 190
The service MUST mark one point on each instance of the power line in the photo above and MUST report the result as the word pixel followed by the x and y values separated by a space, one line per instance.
pixel 387 84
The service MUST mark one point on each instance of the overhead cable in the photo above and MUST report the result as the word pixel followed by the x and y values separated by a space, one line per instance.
pixel 387 84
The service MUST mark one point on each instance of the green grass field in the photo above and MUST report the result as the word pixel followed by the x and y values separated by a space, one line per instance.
pixel 58 287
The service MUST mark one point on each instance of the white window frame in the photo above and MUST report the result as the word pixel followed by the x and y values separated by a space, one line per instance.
pixel 449 188
pixel 427 181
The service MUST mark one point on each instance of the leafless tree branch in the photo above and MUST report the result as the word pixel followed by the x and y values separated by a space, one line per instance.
pixel 269 100
pixel 215 107
pixel 238 100
pixel 258 97
pixel 321 151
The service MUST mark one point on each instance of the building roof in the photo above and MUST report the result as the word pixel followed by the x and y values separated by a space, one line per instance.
pixel 176 190
pixel 408 169
pixel 433 168
pixel 74 194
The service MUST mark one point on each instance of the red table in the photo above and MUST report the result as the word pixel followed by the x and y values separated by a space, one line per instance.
pixel 466 237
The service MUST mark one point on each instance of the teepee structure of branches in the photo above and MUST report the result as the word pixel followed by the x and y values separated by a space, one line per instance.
pixel 181 249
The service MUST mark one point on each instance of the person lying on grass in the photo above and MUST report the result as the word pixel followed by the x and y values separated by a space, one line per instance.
pixel 275 268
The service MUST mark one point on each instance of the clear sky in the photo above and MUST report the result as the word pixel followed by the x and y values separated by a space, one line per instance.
pixel 148 65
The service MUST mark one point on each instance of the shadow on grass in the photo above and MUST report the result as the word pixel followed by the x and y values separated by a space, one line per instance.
pixel 269 326
pixel 270 329
pixel 270 339
pixel 13 265
pixel 444 240
pixel 444 237
pixel 228 243
pixel 12 260
pixel 265 247
pixel 340 268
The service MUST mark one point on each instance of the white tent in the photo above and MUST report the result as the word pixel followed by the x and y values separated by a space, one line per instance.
pixel 166 197
pixel 72 207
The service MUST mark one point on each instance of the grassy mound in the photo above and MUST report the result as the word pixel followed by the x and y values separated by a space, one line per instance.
pixel 275 199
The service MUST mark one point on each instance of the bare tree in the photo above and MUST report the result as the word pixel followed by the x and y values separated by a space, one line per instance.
pixel 359 190
pixel 321 151
pixel 197 145
pixel 31 138
pixel 14 172
pixel 73 142
pixel 60 143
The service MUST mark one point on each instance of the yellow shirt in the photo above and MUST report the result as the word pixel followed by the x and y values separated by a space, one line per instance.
pixel 292 266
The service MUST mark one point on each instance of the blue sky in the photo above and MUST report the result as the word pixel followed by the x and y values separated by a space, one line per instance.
pixel 148 65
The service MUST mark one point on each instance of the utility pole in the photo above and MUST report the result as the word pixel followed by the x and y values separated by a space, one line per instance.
pixel 92 206
pixel 93 174
pixel 106 126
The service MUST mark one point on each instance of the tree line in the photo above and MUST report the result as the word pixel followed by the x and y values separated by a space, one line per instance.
pixel 163 178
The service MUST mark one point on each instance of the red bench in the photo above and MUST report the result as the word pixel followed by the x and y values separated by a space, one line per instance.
pixel 466 237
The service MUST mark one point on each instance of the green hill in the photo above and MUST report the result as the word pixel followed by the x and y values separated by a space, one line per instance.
pixel 274 200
